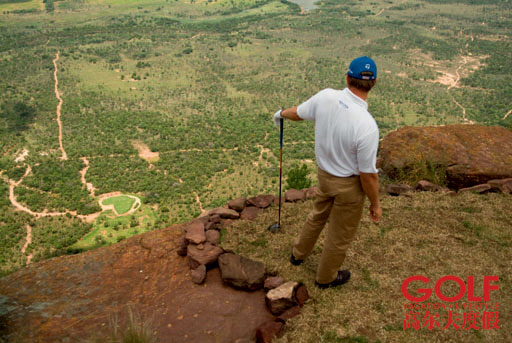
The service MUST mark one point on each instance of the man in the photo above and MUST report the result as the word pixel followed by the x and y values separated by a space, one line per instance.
pixel 346 142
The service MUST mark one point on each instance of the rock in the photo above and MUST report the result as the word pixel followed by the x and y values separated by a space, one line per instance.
pixel 289 313
pixel 250 213
pixel 202 254
pixel 61 294
pixel 225 223
pixel 310 192
pixel 245 340
pixel 427 186
pixel 199 274
pixel 276 200
pixel 484 188
pixel 215 218
pixel 281 298
pixel 213 236
pixel 501 185
pixel 466 155
pixel 266 332
pixel 241 272
pixel 225 213
pixel 293 195
pixel 301 295
pixel 237 204
pixel 273 282
pixel 261 201
pixel 398 189
pixel 507 188
pixel 202 219
pixel 212 226
pixel 182 246
pixel 194 233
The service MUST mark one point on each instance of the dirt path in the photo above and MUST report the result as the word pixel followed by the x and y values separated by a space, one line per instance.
pixel 260 158
pixel 506 115
pixel 88 185
pixel 27 242
pixel 203 211
pixel 59 106
pixel 380 12
pixel 165 152
pixel 456 84
pixel 387 8
pixel 13 184
pixel 12 197
pixel 298 142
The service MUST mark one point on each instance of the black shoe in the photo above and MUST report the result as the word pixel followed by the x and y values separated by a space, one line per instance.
pixel 342 278
pixel 294 261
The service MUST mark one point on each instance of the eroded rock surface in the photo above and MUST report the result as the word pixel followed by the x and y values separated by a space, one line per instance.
pixel 71 297
pixel 467 154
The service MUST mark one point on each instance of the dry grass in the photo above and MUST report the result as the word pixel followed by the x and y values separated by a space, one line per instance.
pixel 136 330
pixel 428 234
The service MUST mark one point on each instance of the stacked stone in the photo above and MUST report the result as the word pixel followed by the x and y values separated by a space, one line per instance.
pixel 200 246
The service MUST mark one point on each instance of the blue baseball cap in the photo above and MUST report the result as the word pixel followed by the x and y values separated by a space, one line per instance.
pixel 363 68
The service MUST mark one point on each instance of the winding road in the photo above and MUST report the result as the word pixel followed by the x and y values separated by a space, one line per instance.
pixel 88 185
pixel 12 197
pixel 455 84
pixel 506 115
pixel 28 240
pixel 59 106
pixel 203 211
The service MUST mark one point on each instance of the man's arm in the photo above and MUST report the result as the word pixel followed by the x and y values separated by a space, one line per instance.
pixel 370 183
pixel 291 113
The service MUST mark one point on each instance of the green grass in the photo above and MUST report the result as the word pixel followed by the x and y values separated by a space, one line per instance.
pixel 122 203
pixel 111 228
pixel 21 5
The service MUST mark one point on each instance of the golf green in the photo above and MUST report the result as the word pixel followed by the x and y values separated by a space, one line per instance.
pixel 122 203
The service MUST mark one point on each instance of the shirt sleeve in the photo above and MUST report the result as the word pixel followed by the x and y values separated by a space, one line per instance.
pixel 367 152
pixel 308 109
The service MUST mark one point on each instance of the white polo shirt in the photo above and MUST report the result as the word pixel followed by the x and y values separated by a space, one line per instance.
pixel 346 135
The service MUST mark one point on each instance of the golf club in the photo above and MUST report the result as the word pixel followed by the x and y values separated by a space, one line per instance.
pixel 277 226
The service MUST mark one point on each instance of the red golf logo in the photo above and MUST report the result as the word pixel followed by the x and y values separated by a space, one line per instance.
pixel 460 313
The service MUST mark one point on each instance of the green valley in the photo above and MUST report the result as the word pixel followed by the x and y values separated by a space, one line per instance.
pixel 171 100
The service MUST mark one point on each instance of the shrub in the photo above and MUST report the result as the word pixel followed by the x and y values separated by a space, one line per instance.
pixel 298 177
pixel 137 330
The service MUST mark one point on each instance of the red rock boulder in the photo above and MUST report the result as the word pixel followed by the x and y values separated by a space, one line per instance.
pixel 465 155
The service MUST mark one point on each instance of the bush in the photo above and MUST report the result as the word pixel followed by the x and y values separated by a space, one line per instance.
pixel 298 177
pixel 99 239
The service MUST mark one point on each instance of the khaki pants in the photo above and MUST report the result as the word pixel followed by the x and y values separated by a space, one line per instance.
pixel 341 200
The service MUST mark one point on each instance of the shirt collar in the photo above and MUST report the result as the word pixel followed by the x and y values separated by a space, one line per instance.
pixel 357 99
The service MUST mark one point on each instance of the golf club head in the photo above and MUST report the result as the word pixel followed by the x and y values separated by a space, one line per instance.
pixel 274 228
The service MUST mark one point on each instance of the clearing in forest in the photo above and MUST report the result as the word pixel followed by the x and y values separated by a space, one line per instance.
pixel 145 153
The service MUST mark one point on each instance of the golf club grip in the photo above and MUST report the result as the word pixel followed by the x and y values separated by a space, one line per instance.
pixel 281 132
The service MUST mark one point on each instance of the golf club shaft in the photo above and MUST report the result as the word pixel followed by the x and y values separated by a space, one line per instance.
pixel 280 166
